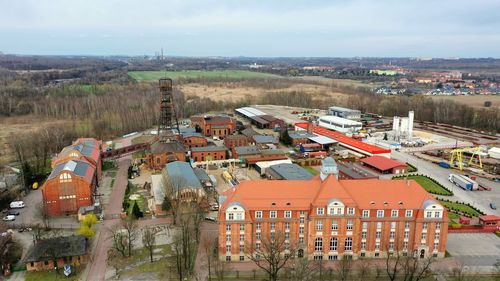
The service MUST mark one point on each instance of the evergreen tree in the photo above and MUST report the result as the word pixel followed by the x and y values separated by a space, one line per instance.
pixel 136 212
pixel 285 138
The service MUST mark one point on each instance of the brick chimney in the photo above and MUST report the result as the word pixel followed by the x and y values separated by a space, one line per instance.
pixel 309 127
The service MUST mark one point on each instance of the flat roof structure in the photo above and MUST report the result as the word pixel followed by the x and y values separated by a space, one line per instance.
pixel 355 172
pixel 249 111
pixel 382 163
pixel 323 140
pixel 265 139
pixel 343 109
pixel 300 135
pixel 246 150
pixel 340 120
pixel 289 172
pixel 362 147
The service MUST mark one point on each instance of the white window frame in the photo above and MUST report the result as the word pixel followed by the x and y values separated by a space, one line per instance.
pixel 258 214
pixel 380 213
pixel 273 214
pixel 394 213
pixel 320 211
pixel 288 214
pixel 366 213
pixel 409 213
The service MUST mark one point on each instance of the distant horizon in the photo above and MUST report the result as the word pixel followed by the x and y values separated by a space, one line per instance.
pixel 241 56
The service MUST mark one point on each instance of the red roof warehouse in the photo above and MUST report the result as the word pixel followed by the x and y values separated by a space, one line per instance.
pixel 359 146
pixel 384 165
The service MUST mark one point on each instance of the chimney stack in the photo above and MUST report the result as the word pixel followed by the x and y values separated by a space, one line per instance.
pixel 309 127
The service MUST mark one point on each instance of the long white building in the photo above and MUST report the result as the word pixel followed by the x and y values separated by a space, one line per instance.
pixel 339 124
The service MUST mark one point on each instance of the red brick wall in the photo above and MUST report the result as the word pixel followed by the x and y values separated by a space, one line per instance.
pixel 234 141
pixel 158 161
pixel 53 189
pixel 214 155
pixel 195 142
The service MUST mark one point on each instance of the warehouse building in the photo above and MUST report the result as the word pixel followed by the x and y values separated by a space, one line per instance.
pixel 384 165
pixel 235 140
pixel 288 172
pixel 339 124
pixel 347 113
pixel 300 137
pixel 350 171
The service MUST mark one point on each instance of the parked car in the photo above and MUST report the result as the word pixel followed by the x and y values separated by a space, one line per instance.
pixel 211 219
pixel 9 218
pixel 17 204
pixel 493 206
pixel 13 213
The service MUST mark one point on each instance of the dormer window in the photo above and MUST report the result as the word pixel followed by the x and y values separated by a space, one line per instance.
pixel 320 211
pixel 65 177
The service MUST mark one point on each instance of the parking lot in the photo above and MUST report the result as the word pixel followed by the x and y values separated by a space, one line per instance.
pixel 479 251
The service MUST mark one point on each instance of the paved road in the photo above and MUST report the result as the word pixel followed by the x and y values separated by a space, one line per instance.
pixel 98 266
pixel 479 258
pixel 479 199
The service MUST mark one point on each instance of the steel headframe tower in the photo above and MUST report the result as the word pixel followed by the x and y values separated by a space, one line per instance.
pixel 168 118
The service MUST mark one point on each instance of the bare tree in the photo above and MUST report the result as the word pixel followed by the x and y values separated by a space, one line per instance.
pixel 148 241
pixel 131 231
pixel 116 260
pixel 43 214
pixel 343 268
pixel 364 268
pixel 415 269
pixel 209 244
pixel 185 243
pixel 303 270
pixel 119 238
pixel 172 186
pixel 272 255
pixel 221 268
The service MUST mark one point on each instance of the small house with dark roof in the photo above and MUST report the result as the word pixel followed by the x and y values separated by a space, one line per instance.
pixel 161 153
pixel 54 252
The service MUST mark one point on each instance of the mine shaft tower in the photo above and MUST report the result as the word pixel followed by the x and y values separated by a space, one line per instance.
pixel 168 119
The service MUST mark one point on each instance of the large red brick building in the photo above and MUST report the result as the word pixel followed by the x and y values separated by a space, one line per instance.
pixel 216 125
pixel 74 178
pixel 208 153
pixel 329 218
pixel 161 153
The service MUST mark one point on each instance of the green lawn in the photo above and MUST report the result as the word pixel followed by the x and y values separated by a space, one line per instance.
pixel 234 74
pixel 429 185
pixel 460 207
pixel 51 275
pixel 453 216
pixel 311 170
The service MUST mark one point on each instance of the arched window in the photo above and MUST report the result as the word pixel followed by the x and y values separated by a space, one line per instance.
pixel 333 244
pixel 318 244
pixel 65 177
pixel 73 154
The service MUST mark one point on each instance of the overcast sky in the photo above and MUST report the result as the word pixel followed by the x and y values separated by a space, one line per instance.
pixel 333 28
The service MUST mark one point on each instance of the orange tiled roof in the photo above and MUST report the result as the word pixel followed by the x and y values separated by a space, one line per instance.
pixel 364 194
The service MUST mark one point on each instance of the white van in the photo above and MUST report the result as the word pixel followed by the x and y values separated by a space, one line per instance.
pixel 17 204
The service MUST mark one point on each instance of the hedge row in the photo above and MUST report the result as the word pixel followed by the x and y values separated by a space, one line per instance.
pixel 449 192
pixel 456 210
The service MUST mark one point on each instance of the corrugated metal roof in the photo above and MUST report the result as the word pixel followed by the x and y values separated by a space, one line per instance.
pixel 246 150
pixel 323 140
pixel 183 171
pixel 264 139
pixel 290 172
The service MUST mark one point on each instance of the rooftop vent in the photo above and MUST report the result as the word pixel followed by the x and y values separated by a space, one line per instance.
pixel 274 204
pixel 372 203
pixel 288 203
pixel 400 203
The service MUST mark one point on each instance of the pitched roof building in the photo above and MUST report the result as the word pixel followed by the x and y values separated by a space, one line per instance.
pixel 330 218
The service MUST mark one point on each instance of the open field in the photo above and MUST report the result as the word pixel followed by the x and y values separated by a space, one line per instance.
pixel 237 91
pixel 235 74
pixel 15 125
pixel 476 101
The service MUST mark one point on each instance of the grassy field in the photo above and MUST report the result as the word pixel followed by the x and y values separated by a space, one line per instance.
pixel 235 74
pixel 474 101
pixel 52 275
pixel 461 207
pixel 429 185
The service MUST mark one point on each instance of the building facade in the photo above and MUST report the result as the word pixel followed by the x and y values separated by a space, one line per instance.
pixel 160 153
pixel 327 218
pixel 217 125
pixel 235 140
pixel 208 153
pixel 194 140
